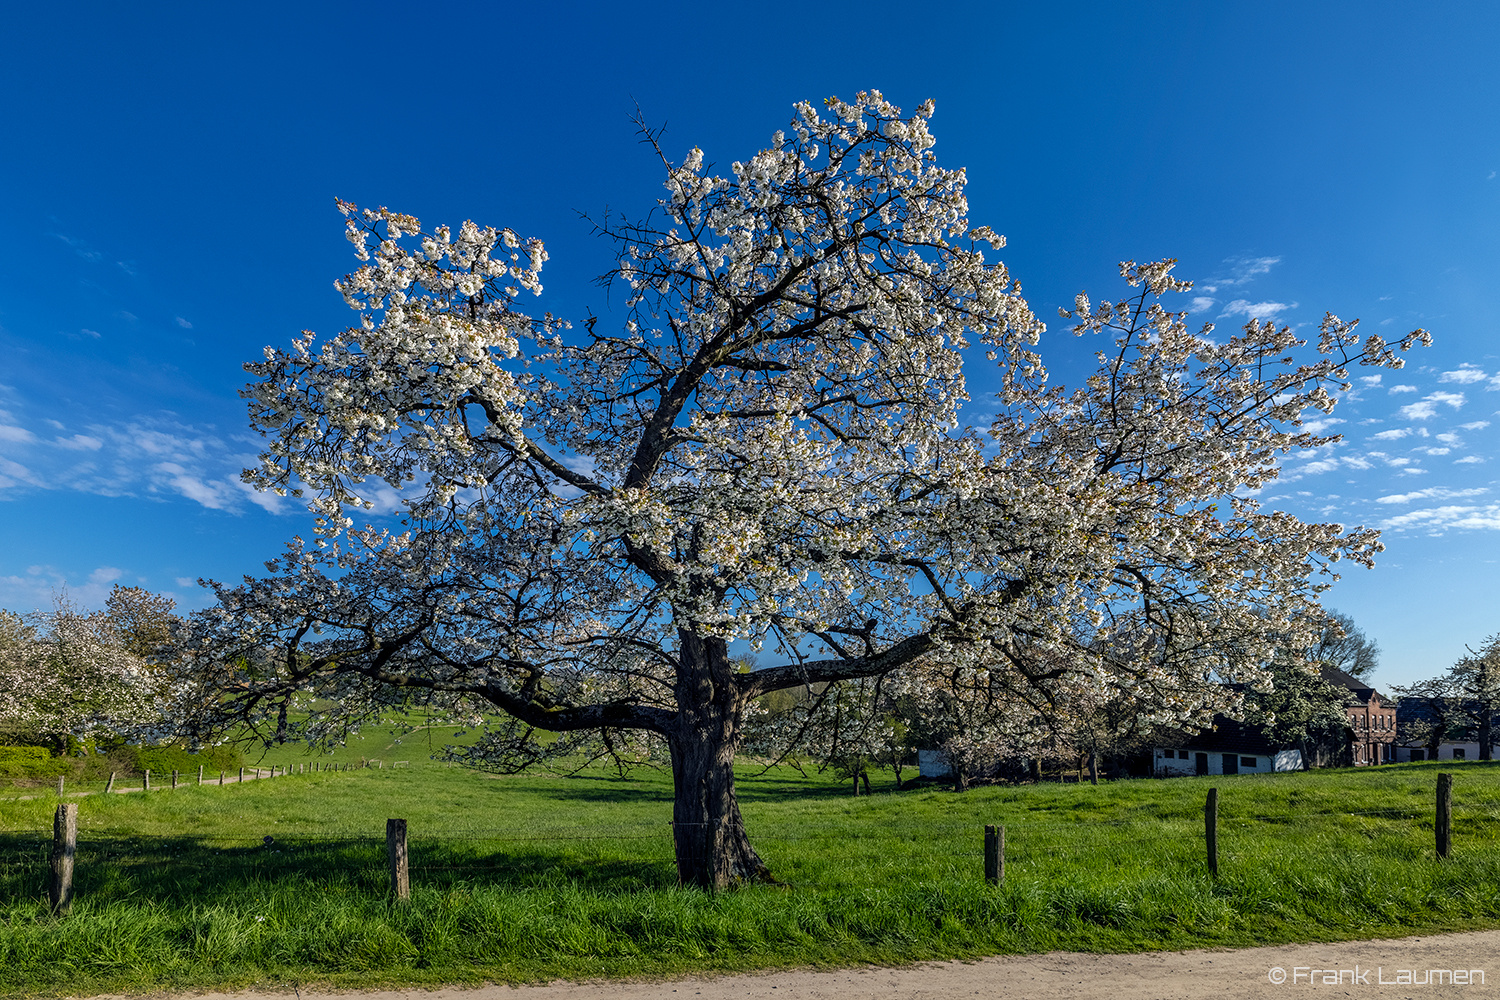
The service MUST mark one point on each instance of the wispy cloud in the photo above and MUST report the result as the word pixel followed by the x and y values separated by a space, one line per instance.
pixel 1426 408
pixel 1464 375
pixel 184 323
pixel 1395 434
pixel 1393 390
pixel 148 456
pixel 1474 425
pixel 40 586
pixel 1431 493
pixel 1439 519
pixel 1256 310
pixel 79 442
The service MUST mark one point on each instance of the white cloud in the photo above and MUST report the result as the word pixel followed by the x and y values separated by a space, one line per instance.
pixel 1449 438
pixel 1319 426
pixel 105 574
pixel 1401 388
pixel 1465 375
pixel 1469 460
pixel 1370 381
pixel 1395 434
pixel 90 333
pixel 1245 268
pixel 79 442
pixel 1431 493
pixel 19 435
pixel 1202 303
pixel 1256 310
pixel 1434 451
pixel 214 495
pixel 1438 519
pixel 1474 425
pixel 40 586
pixel 1427 407
pixel 16 474
pixel 184 323
pixel 185 581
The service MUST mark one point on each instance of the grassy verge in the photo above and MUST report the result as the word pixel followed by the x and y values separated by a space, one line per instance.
pixel 527 878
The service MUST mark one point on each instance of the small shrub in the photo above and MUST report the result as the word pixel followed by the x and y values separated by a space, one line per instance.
pixel 32 762
pixel 164 759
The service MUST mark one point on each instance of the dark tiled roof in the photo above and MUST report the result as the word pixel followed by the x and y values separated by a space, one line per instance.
pixel 1354 685
pixel 1228 736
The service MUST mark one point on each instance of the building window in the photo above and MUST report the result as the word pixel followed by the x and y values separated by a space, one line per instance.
pixel 1247 762
pixel 1419 755
pixel 1182 755
pixel 1458 753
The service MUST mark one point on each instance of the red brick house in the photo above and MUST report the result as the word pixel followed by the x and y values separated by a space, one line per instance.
pixel 1371 718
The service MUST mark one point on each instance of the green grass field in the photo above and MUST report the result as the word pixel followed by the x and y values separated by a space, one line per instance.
pixel 523 878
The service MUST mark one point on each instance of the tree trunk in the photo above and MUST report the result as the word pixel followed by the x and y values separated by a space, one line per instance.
pixel 712 849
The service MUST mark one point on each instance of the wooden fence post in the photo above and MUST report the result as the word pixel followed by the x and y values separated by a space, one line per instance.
pixel 1443 824
pixel 221 779
pixel 1211 830
pixel 109 786
pixel 146 780
pixel 994 854
pixel 395 849
pixel 242 774
pixel 59 786
pixel 64 847
pixel 174 779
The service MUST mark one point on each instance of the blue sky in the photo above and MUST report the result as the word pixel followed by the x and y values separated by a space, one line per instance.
pixel 169 175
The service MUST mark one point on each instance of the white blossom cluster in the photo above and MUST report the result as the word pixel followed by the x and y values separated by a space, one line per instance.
pixel 66 673
pixel 768 448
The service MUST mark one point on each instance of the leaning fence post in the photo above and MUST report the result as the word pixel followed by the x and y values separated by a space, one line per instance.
pixel 1211 830
pixel 395 849
pixel 146 780
pixel 994 854
pixel 64 847
pixel 1443 824
pixel 200 774
pixel 109 786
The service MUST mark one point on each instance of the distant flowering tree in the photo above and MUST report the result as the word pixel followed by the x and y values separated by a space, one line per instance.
pixel 68 675
pixel 766 446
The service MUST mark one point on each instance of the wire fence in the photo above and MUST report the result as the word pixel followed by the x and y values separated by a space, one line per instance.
pixel 830 854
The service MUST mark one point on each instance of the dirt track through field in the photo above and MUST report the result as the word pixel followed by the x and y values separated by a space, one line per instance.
pixel 1173 975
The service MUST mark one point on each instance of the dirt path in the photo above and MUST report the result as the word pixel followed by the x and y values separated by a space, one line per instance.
pixel 1180 975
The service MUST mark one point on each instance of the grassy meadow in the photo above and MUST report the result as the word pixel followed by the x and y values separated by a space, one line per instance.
pixel 523 878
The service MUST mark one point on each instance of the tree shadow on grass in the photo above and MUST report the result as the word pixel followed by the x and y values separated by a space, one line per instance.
pixel 206 871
